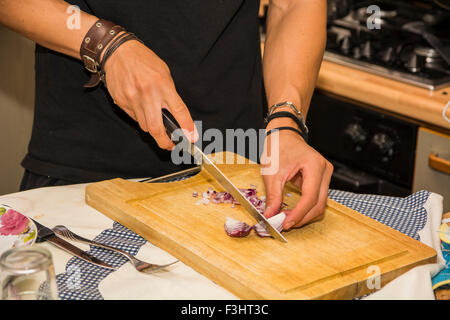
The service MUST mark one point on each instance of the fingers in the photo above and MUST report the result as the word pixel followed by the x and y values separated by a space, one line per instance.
pixel 274 195
pixel 158 130
pixel 181 113
pixel 153 118
pixel 129 111
pixel 315 180
pixel 140 118
pixel 140 83
pixel 318 210
pixel 146 110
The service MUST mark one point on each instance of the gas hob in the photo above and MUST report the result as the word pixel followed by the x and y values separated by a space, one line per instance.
pixel 396 40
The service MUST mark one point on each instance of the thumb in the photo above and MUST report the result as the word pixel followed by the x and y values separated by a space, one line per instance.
pixel 274 197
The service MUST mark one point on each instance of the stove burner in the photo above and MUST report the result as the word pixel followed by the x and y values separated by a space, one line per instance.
pixel 392 51
pixel 432 58
pixel 415 63
pixel 367 50
pixel 346 45
pixel 382 17
pixel 388 55
pixel 427 52
pixel 386 11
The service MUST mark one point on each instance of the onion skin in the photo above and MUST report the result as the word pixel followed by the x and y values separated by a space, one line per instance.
pixel 276 222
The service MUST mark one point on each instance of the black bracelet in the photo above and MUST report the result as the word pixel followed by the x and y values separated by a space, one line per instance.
pixel 288 128
pixel 285 114
pixel 113 47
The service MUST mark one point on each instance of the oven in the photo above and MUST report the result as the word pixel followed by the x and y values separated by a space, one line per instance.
pixel 372 151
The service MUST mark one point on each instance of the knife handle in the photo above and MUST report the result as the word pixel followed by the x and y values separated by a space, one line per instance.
pixel 169 122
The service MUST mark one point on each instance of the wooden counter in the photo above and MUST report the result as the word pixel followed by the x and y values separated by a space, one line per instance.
pixel 413 102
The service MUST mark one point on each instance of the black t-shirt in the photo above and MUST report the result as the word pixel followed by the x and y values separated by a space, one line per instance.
pixel 212 49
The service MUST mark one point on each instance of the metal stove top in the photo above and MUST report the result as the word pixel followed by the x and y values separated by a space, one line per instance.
pixel 382 37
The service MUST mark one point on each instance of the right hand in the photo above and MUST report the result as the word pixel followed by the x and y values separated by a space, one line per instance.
pixel 140 83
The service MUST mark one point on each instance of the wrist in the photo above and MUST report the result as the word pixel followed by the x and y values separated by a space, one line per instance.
pixel 120 47
pixel 110 43
pixel 287 116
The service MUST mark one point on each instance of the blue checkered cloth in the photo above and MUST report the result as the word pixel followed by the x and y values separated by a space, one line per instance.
pixel 406 215
pixel 81 279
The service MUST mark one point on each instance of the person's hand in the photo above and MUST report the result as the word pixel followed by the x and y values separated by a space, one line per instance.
pixel 140 83
pixel 305 168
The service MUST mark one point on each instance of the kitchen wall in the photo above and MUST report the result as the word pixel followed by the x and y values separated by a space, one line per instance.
pixel 16 106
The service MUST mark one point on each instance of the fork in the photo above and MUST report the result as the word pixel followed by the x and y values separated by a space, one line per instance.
pixel 139 265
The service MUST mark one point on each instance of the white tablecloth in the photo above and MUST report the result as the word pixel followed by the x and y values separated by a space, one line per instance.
pixel 65 205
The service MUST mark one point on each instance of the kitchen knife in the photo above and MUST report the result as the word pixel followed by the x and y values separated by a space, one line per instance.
pixel 211 168
pixel 46 234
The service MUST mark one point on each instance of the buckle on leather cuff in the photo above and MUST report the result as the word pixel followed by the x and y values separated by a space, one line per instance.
pixel 94 80
pixel 90 64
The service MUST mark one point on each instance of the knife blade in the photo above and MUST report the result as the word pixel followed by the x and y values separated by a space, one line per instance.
pixel 47 234
pixel 212 169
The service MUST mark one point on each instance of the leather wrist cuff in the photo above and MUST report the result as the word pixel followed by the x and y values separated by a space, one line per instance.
pixel 94 43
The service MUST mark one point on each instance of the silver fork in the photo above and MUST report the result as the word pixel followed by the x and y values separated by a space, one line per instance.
pixel 140 266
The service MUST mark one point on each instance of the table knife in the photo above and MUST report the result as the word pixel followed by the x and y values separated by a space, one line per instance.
pixel 46 234
pixel 209 166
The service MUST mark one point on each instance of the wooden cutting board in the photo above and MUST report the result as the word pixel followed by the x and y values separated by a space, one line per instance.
pixel 329 259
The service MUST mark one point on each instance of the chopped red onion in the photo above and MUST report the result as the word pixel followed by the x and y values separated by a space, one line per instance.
pixel 226 197
pixel 235 228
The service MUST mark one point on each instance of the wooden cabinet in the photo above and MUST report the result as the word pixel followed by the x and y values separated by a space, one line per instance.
pixel 432 169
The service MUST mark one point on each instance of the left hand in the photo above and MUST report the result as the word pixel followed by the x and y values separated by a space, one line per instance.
pixel 306 169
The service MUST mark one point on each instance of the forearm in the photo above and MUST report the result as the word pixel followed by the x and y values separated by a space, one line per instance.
pixel 45 22
pixel 295 41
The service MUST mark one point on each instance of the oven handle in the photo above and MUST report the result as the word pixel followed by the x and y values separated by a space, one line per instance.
pixel 438 164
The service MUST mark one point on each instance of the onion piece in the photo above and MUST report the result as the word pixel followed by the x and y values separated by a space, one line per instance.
pixel 276 222
pixel 235 228
pixel 226 197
